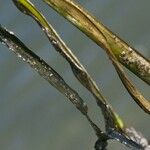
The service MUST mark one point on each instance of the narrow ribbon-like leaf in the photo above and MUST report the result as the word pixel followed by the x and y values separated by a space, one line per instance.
pixel 47 72
pixel 93 28
pixel 111 118
pixel 136 95
pixel 42 68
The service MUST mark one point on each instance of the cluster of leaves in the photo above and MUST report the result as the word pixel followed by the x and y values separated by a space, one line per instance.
pixel 118 52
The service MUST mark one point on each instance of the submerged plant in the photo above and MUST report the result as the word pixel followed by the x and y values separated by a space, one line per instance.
pixel 118 52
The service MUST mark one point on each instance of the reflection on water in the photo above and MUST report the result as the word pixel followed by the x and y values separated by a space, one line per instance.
pixel 33 115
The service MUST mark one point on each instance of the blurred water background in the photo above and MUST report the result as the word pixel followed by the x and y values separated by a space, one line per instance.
pixel 33 115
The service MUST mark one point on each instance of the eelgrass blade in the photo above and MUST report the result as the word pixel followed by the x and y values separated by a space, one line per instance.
pixel 95 30
pixel 132 90
pixel 111 118
pixel 47 72
pixel 39 65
